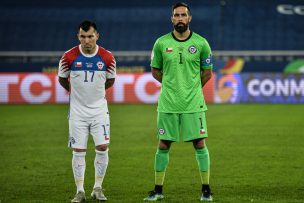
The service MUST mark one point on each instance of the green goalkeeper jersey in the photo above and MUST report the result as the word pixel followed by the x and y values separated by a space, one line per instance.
pixel 181 62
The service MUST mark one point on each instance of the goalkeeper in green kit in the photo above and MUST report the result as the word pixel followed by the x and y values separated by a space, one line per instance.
pixel 181 61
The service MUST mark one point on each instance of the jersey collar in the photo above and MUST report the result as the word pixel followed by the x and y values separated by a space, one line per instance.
pixel 183 39
pixel 89 55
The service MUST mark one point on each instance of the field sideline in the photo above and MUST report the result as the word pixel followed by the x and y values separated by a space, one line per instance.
pixel 256 155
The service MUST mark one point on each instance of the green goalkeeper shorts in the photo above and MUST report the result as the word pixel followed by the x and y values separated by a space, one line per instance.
pixel 189 126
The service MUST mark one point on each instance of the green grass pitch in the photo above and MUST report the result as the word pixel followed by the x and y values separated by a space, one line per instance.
pixel 257 155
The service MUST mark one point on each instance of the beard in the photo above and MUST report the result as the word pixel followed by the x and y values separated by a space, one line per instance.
pixel 181 27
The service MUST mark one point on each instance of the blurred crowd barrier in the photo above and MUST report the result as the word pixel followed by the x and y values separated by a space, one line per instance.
pixel 225 62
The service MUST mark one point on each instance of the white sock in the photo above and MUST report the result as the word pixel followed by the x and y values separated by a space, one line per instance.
pixel 101 164
pixel 78 166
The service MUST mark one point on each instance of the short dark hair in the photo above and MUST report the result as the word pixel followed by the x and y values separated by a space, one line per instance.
pixel 85 25
pixel 179 4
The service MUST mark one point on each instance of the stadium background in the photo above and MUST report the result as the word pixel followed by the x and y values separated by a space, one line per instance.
pixel 255 143
pixel 248 38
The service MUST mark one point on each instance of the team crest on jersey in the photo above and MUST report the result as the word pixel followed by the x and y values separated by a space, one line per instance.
pixel 100 65
pixel 192 49
pixel 161 131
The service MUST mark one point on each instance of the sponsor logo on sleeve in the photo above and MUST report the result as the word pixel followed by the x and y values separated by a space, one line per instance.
pixel 207 61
